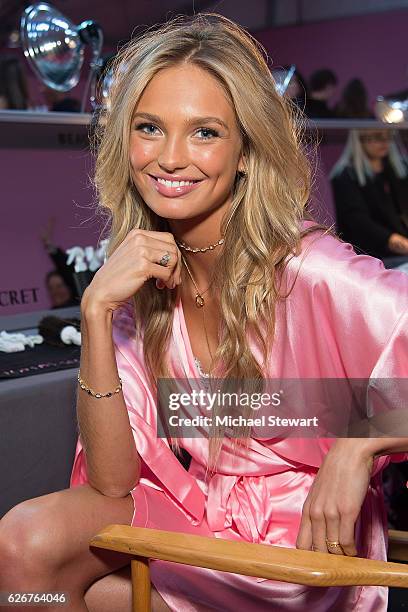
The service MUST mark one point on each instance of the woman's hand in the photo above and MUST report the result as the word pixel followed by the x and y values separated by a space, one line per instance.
pixel 335 498
pixel 134 262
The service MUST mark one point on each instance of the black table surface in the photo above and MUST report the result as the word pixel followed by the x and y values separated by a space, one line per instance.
pixel 38 426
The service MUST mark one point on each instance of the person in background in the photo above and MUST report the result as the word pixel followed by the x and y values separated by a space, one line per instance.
pixel 60 282
pixel 60 294
pixel 60 101
pixel 353 103
pixel 13 87
pixel 370 187
pixel 322 87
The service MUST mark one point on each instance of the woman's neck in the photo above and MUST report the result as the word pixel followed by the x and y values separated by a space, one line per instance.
pixel 200 233
pixel 377 164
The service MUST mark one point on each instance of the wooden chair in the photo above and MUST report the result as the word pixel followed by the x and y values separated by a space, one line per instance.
pixel 397 545
pixel 263 561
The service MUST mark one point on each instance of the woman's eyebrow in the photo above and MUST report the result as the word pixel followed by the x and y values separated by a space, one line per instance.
pixel 192 121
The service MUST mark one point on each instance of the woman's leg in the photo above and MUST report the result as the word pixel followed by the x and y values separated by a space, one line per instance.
pixel 114 593
pixel 44 543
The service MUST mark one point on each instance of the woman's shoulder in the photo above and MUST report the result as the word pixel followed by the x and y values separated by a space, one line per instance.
pixel 321 251
pixel 320 244
pixel 326 260
pixel 346 176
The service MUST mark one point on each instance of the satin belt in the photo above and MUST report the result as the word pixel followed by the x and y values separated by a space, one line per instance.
pixel 247 505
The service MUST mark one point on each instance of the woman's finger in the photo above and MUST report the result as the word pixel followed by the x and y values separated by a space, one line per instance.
pixel 304 539
pixel 332 517
pixel 318 528
pixel 165 263
pixel 346 534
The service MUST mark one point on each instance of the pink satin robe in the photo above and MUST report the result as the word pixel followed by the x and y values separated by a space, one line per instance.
pixel 345 318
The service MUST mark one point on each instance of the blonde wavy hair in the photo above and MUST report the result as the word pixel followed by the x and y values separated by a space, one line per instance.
pixel 268 203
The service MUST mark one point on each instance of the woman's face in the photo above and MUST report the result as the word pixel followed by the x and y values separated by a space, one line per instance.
pixel 185 144
pixel 376 143
pixel 58 291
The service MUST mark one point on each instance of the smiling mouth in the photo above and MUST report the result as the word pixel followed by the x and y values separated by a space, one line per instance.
pixel 173 188
pixel 174 184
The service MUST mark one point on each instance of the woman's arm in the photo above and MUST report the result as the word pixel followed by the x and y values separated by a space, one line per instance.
pixel 334 501
pixel 113 463
pixel 398 244
pixel 385 446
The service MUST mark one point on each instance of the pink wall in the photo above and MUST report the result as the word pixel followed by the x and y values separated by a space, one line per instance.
pixel 35 185
pixel 372 47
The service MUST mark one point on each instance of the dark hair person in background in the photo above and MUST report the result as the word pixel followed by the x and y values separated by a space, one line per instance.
pixel 13 87
pixel 353 103
pixel 61 294
pixel 60 282
pixel 322 86
pixel 370 186
pixel 60 101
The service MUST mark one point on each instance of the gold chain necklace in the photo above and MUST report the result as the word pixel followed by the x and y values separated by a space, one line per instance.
pixel 199 302
pixel 211 247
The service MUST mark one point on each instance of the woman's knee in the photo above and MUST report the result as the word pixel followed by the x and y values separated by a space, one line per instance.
pixel 32 537
pixel 47 538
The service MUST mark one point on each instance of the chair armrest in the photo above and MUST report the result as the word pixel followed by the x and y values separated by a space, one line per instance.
pixel 260 560
pixel 398 545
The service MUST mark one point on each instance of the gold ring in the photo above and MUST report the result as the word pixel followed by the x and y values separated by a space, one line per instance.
pixel 332 546
pixel 332 543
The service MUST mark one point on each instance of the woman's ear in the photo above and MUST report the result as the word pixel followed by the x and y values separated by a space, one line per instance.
pixel 242 165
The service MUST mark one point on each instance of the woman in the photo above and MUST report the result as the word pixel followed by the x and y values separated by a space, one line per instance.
pixel 201 169
pixel 353 103
pixel 60 293
pixel 370 186
pixel 60 282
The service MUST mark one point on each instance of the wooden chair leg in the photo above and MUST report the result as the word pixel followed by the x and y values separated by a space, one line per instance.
pixel 140 584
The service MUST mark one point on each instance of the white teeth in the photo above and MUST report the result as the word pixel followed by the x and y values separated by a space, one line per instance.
pixel 174 183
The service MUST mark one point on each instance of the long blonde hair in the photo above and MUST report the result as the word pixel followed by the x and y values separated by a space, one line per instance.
pixel 353 156
pixel 268 203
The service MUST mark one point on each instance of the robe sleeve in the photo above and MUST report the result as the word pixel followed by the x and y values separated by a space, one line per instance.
pixel 359 313
pixel 355 305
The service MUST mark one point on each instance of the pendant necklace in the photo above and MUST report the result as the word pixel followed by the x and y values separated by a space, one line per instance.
pixel 200 303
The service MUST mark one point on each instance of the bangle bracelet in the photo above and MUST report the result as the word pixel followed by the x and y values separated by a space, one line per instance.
pixel 98 395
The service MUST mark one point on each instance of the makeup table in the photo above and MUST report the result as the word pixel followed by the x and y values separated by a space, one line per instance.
pixel 38 427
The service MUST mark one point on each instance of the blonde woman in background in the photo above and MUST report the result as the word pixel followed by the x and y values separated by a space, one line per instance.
pixel 370 187
pixel 201 171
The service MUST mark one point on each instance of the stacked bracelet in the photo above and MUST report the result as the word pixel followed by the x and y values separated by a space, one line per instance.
pixel 98 395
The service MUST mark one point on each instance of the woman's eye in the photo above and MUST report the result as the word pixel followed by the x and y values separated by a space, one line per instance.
pixel 152 130
pixel 208 133
pixel 147 128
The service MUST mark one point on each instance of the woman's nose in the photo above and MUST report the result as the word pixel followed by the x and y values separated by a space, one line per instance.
pixel 173 154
